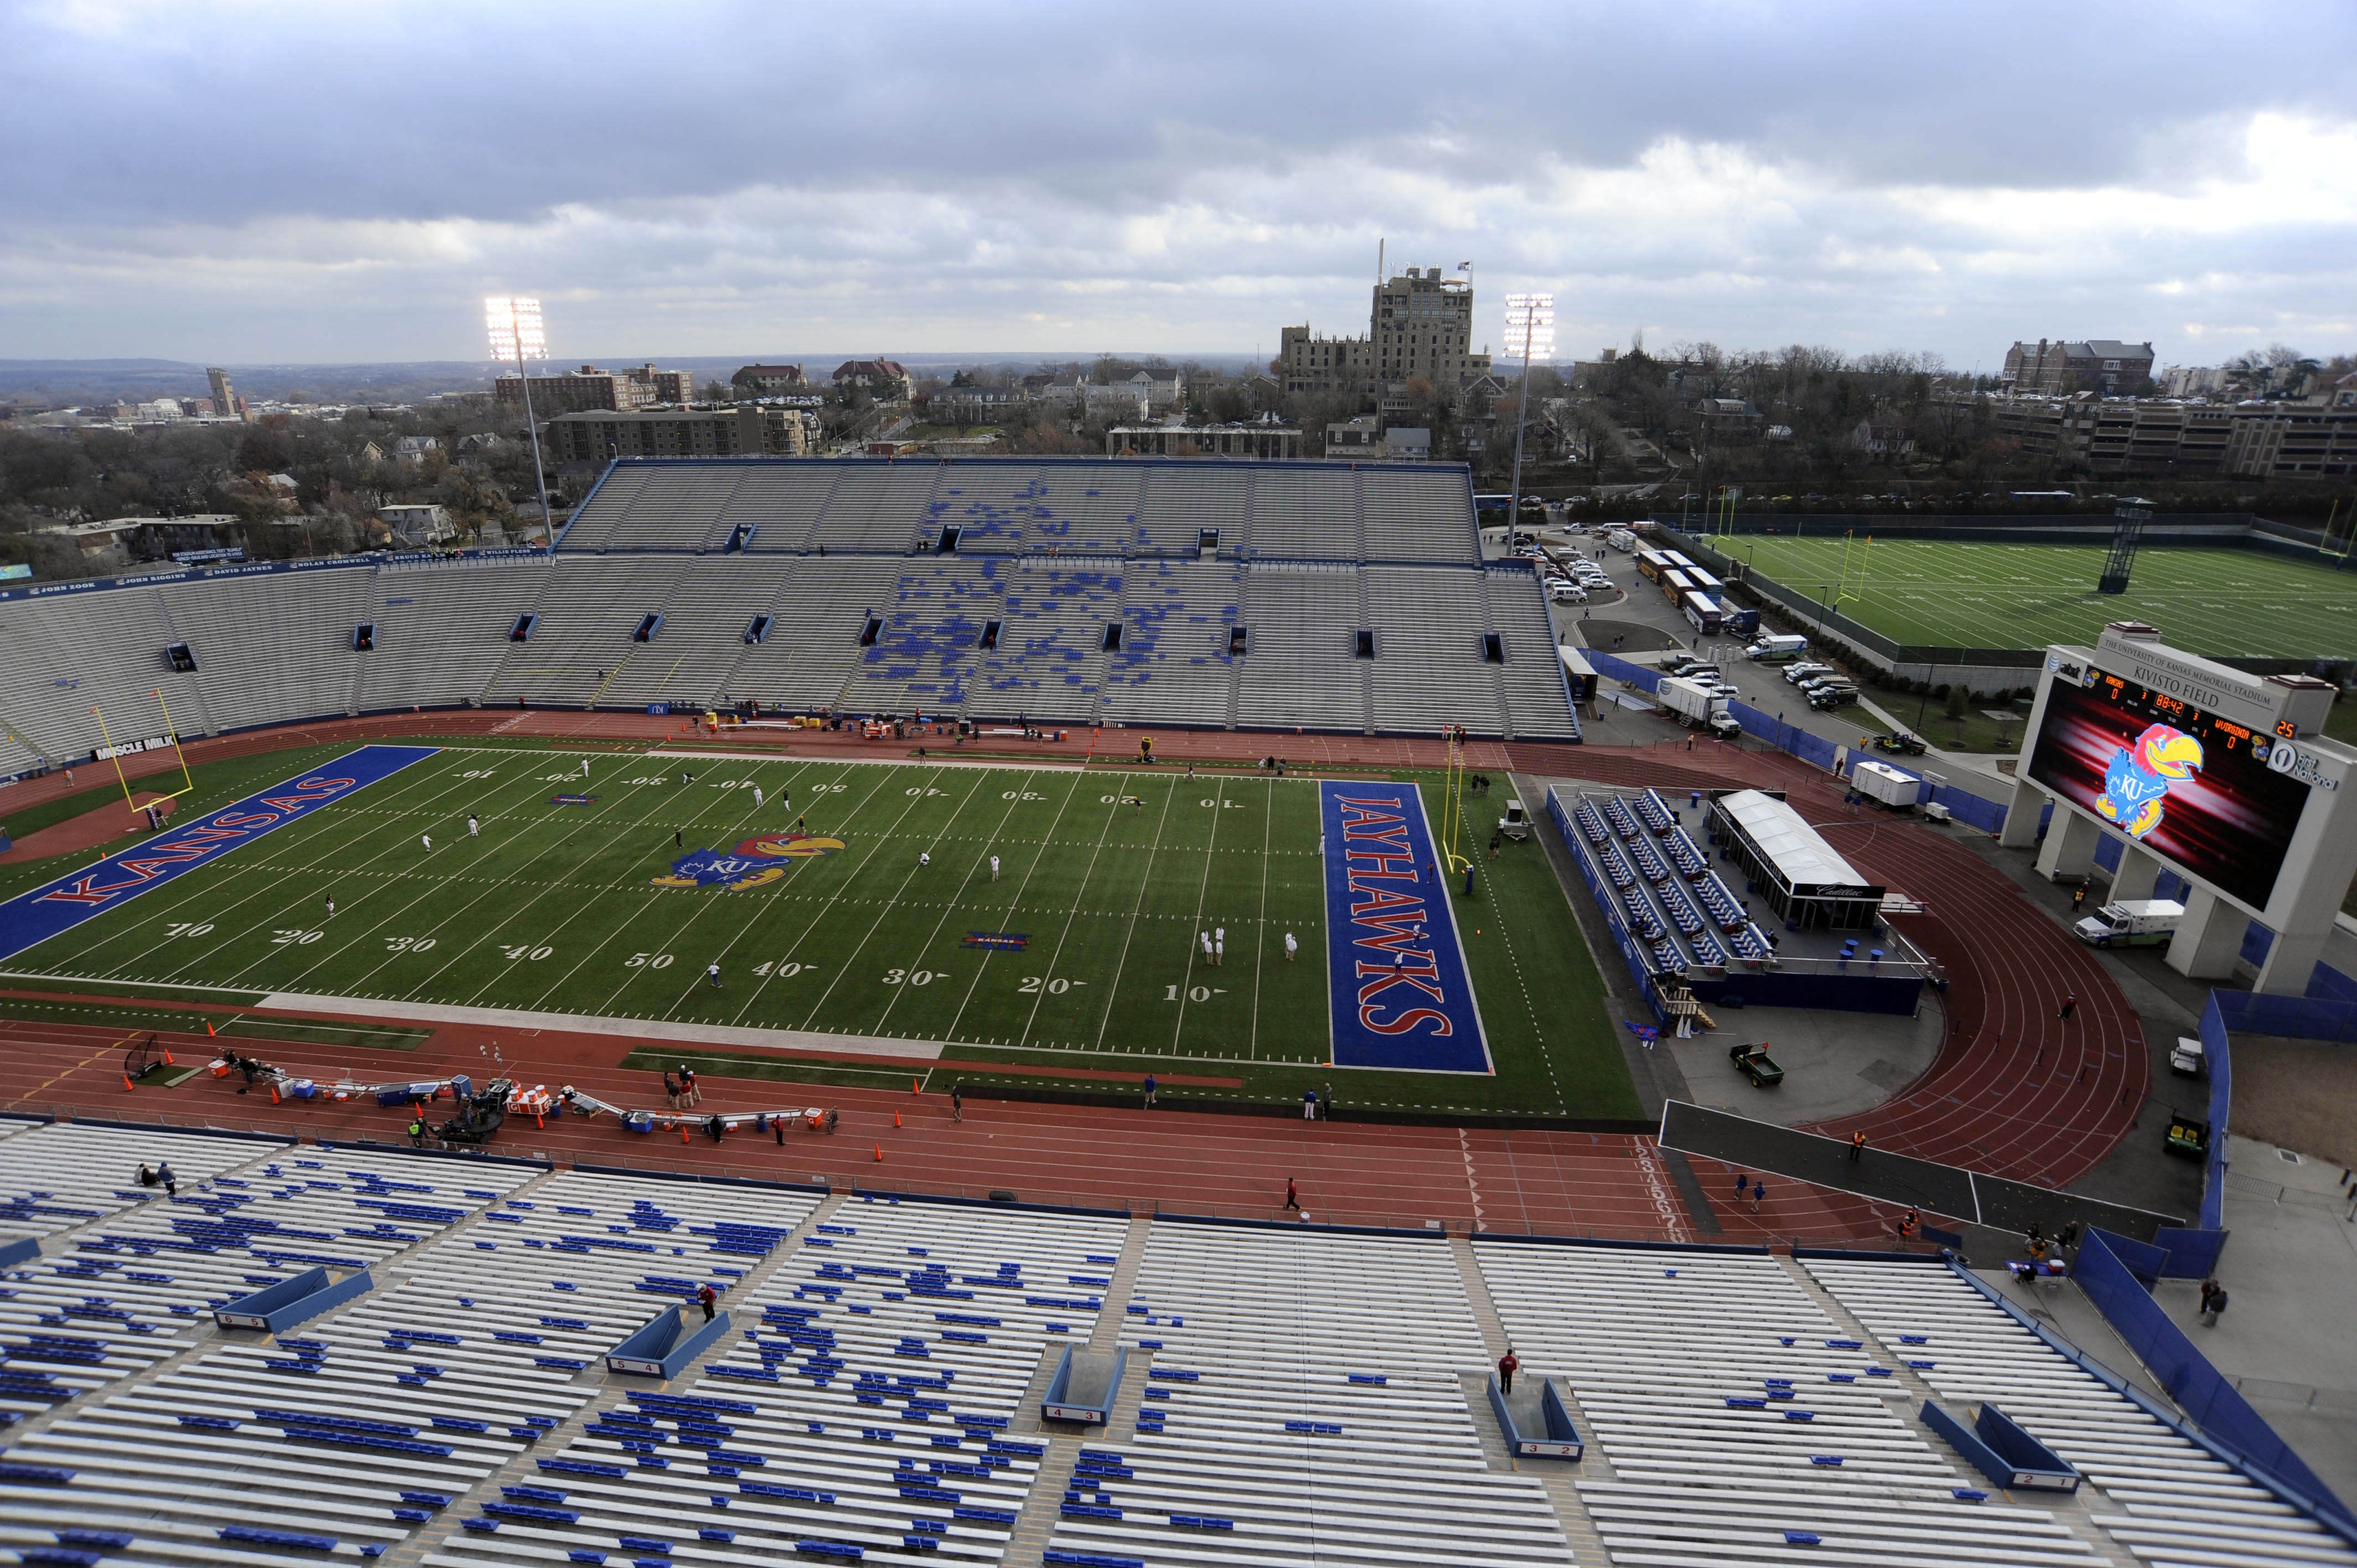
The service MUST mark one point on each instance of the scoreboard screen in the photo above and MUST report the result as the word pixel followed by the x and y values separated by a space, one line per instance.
pixel 2185 784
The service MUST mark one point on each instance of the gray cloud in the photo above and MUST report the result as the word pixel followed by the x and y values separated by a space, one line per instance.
pixel 334 182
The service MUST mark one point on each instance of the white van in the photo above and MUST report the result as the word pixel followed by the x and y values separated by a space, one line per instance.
pixel 1564 591
pixel 1620 539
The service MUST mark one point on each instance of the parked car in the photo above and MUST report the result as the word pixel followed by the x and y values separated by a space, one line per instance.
pixel 1796 674
pixel 1825 697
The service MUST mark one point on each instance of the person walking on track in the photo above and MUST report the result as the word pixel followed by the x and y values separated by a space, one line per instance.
pixel 1292 1193
pixel 2070 1005
pixel 957 1102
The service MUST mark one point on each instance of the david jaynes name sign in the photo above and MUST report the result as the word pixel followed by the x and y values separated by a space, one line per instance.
pixel 1401 996
pixel 35 917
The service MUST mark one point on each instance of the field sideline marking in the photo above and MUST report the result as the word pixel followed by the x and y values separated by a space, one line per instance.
pixel 589 1024
pixel 944 760
pixel 1202 891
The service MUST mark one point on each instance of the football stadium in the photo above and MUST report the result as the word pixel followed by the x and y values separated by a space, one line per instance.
pixel 1151 941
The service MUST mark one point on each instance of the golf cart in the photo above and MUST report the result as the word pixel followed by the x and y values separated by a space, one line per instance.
pixel 1756 1065
pixel 1516 822
pixel 1900 742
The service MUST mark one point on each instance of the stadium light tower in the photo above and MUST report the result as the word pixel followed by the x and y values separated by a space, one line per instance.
pixel 516 334
pixel 1530 321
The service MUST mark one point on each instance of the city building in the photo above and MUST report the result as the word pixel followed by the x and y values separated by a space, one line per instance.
pixel 591 388
pixel 739 431
pixel 2314 438
pixel 1263 440
pixel 2098 365
pixel 226 403
pixel 1419 327
pixel 415 449
pixel 888 379
pixel 769 380
pixel 1365 439
pixel 975 405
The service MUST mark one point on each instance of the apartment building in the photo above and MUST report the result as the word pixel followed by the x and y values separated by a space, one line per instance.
pixel 1419 327
pixel 1255 439
pixel 743 430
pixel 2315 439
pixel 589 388
pixel 2103 365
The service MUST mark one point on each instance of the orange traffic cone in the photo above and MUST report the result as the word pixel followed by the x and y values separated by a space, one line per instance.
pixel 683 1134
pixel 880 1154
pixel 273 1094
pixel 167 1058
pixel 209 1028
pixel 912 1086
pixel 896 1118
pixel 127 1084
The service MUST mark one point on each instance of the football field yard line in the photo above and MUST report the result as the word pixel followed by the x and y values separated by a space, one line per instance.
pixel 588 894
pixel 891 904
pixel 783 804
pixel 949 909
pixel 1130 935
pixel 433 889
pixel 888 836
pixel 508 882
pixel 1046 843
pixel 711 899
pixel 792 950
pixel 687 1033
pixel 1210 848
pixel 1113 814
pixel 1260 946
pixel 212 882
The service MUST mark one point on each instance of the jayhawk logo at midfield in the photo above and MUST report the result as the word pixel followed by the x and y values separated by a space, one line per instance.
pixel 789 846
pixel 754 862
pixel 2137 783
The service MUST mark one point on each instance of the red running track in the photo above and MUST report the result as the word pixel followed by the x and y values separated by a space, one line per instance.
pixel 1542 1181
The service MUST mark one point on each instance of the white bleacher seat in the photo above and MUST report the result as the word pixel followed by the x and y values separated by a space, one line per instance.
pixel 1302 1404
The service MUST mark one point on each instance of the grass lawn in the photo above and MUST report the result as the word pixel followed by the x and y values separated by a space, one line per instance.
pixel 1088 956
pixel 1962 595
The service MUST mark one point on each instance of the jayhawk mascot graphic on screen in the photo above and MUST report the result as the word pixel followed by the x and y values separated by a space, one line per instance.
pixel 2135 785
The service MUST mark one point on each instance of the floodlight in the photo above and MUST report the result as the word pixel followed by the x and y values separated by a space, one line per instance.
pixel 516 328
pixel 517 334
pixel 1530 325
pixel 1530 321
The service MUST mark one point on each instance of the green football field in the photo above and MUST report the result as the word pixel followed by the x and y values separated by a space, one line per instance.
pixel 1961 595
pixel 1084 952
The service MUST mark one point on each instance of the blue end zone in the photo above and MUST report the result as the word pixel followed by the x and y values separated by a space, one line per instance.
pixel 36 916
pixel 1401 996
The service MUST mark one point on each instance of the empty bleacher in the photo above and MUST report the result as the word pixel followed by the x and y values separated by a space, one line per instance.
pixel 1064 544
pixel 2169 1500
pixel 1673 903
pixel 1302 667
pixel 1173 667
pixel 1739 1421
pixel 1293 1394
pixel 1302 1403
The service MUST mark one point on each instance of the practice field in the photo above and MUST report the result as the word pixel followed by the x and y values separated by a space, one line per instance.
pixel 1960 594
pixel 852 900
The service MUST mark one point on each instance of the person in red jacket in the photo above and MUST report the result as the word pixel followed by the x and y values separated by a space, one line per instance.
pixel 1507 1365
pixel 705 1298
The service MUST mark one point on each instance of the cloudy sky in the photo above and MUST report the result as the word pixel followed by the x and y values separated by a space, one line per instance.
pixel 271 182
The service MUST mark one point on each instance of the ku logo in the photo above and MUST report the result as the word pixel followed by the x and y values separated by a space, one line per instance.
pixel 2137 784
pixel 710 868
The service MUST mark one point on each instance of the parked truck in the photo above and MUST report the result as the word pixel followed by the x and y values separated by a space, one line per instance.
pixel 1778 648
pixel 1880 781
pixel 1691 702
pixel 2132 922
